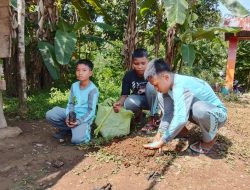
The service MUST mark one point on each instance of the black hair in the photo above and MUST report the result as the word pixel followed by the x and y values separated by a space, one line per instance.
pixel 85 62
pixel 139 52
pixel 161 66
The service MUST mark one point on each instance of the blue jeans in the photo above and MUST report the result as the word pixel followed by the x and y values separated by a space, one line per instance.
pixel 149 101
pixel 57 116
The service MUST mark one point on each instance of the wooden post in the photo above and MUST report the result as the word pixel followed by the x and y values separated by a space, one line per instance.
pixel 21 58
pixel 3 123
pixel 231 62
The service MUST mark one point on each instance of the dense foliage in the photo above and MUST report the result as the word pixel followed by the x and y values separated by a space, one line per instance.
pixel 95 30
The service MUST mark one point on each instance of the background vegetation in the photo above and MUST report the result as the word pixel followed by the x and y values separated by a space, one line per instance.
pixel 59 32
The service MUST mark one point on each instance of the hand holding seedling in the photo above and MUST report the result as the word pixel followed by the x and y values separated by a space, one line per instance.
pixel 71 124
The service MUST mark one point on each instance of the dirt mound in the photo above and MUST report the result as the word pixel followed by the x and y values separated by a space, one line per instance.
pixel 131 152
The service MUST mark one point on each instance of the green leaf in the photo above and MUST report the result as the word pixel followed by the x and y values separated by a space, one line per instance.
pixel 64 26
pixel 96 39
pixel 236 8
pixel 98 8
pixel 79 25
pixel 175 11
pixel 194 17
pixel 48 55
pixel 13 3
pixel 105 27
pixel 64 46
pixel 206 33
pixel 82 10
pixel 145 6
pixel 188 54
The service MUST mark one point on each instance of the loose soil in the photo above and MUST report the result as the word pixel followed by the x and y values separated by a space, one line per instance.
pixel 34 160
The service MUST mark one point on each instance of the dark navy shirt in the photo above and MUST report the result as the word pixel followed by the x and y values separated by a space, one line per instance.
pixel 133 84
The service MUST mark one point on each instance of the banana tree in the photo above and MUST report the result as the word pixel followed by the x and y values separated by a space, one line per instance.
pixel 151 23
pixel 130 35
pixel 180 17
pixel 60 52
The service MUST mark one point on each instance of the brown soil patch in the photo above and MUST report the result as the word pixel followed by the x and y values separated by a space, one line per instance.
pixel 34 160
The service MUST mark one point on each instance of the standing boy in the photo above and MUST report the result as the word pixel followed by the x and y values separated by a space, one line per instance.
pixel 81 105
pixel 137 93
pixel 185 98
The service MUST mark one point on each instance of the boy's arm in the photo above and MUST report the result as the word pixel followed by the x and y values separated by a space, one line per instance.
pixel 124 94
pixel 71 103
pixel 92 102
pixel 122 99
pixel 168 108
pixel 182 102
pixel 126 84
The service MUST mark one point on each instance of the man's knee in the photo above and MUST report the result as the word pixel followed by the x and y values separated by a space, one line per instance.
pixel 48 115
pixel 79 139
pixel 199 110
pixel 131 104
pixel 54 114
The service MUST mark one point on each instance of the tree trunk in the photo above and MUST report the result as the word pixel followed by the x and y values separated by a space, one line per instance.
pixel 2 118
pixel 2 87
pixel 10 72
pixel 5 27
pixel 170 46
pixel 248 81
pixel 130 36
pixel 21 58
pixel 158 32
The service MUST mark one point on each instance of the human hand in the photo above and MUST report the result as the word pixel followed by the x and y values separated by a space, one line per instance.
pixel 71 124
pixel 117 107
pixel 154 145
pixel 141 91
pixel 157 137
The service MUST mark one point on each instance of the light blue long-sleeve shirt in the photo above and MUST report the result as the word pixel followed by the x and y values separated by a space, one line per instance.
pixel 185 91
pixel 83 102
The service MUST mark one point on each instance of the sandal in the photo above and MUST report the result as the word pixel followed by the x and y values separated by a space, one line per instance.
pixel 149 127
pixel 152 125
pixel 196 147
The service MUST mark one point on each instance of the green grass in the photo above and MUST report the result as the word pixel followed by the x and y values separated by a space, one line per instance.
pixel 38 103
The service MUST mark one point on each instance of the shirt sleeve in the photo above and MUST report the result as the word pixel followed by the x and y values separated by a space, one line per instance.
pixel 182 101
pixel 92 102
pixel 126 85
pixel 168 107
pixel 71 103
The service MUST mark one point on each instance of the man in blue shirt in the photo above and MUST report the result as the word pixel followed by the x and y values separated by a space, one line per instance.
pixel 82 103
pixel 184 98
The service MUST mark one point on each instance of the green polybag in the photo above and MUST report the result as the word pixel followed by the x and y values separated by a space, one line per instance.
pixel 111 124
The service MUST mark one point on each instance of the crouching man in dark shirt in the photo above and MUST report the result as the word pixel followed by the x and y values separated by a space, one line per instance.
pixel 137 93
